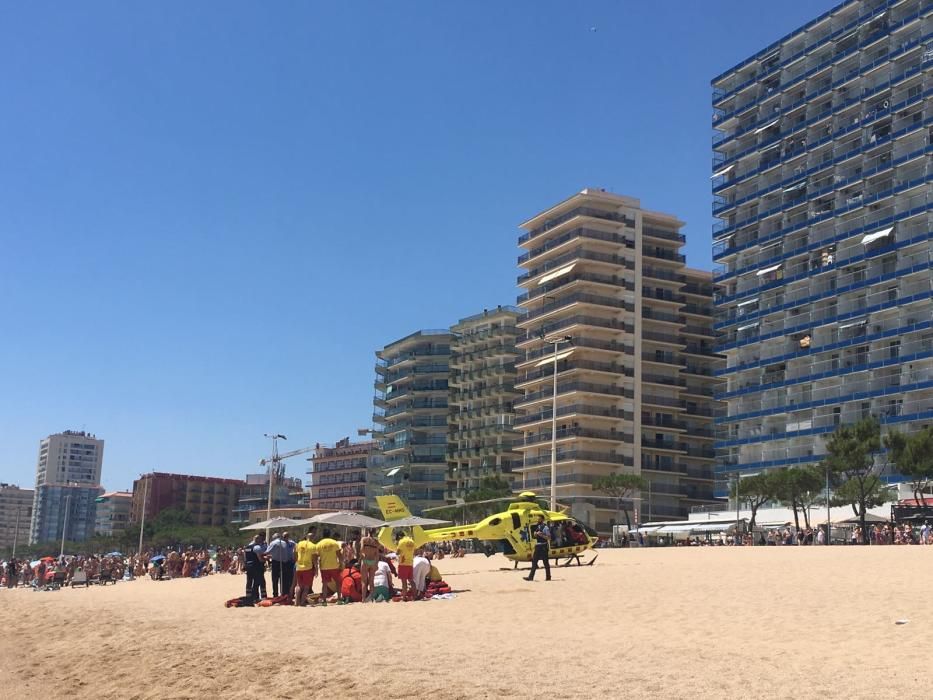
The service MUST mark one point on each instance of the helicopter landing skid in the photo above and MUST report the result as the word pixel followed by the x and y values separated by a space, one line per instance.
pixel 575 558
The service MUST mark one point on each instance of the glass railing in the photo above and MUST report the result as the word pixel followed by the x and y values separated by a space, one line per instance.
pixel 877 117
pixel 720 94
pixel 725 136
pixel 853 203
pixel 721 160
pixel 841 282
pixel 577 233
pixel 579 211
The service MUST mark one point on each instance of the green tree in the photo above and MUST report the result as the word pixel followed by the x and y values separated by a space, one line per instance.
pixel 850 454
pixel 491 488
pixel 913 457
pixel 755 491
pixel 797 487
pixel 620 487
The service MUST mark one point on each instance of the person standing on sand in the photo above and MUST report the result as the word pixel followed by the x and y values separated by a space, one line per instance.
pixel 305 560
pixel 328 552
pixel 254 554
pixel 369 558
pixel 542 536
pixel 406 560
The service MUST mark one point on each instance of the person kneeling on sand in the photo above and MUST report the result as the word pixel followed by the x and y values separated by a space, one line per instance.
pixel 421 567
pixel 382 581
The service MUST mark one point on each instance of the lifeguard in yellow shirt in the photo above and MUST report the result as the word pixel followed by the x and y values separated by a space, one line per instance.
pixel 305 561
pixel 406 560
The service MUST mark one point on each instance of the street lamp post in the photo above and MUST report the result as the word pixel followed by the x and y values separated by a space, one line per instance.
pixel 273 467
pixel 142 523
pixel 19 509
pixel 556 340
pixel 829 526
pixel 65 524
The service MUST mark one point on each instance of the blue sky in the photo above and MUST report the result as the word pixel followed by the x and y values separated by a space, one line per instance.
pixel 212 214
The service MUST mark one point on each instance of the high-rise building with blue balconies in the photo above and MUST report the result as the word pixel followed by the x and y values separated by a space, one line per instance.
pixel 824 244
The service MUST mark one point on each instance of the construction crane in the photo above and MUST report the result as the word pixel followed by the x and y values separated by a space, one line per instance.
pixel 275 462
pixel 276 468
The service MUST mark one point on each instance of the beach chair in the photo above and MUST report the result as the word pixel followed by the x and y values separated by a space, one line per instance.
pixel 58 580
pixel 79 578
pixel 105 577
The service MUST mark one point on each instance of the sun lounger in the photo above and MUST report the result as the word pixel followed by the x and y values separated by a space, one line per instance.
pixel 79 578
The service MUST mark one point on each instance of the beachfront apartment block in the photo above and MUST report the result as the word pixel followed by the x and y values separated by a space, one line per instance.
pixel 15 515
pixel 68 472
pixel 338 475
pixel 211 501
pixel 410 414
pixel 636 366
pixel 112 513
pixel 481 434
pixel 824 240
pixel 254 495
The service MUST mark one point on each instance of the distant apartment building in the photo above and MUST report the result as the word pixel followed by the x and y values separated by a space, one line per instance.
pixel 211 501
pixel 338 475
pixel 254 495
pixel 411 407
pixel 15 515
pixel 635 377
pixel 112 513
pixel 68 474
pixel 481 438
pixel 822 170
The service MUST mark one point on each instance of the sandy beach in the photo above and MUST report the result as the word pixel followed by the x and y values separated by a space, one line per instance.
pixel 764 622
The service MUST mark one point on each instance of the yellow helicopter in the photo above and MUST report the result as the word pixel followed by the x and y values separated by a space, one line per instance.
pixel 511 529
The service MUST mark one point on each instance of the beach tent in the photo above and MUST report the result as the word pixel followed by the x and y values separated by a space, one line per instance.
pixel 414 521
pixel 272 524
pixel 342 518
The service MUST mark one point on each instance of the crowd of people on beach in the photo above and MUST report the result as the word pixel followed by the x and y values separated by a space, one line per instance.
pixel 354 570
pixel 358 569
pixel 879 533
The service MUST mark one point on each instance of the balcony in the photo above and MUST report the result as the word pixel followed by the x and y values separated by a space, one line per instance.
pixel 569 433
pixel 579 456
pixel 591 234
pixel 611 412
pixel 573 213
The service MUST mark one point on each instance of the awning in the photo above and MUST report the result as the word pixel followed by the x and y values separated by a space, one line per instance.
pixel 686 527
pixel 553 358
pixel 861 322
pixel 766 126
pixel 795 186
pixel 722 172
pixel 868 238
pixel 773 145
pixel 747 302
pixel 557 273
pixel 393 471
pixel 768 269
pixel 745 328
pixel 715 527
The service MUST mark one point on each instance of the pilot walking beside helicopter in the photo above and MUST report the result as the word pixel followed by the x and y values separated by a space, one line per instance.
pixel 542 537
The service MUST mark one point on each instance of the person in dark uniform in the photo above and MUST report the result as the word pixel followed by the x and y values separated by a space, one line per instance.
pixel 254 554
pixel 542 537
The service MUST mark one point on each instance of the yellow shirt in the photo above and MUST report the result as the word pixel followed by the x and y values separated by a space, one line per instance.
pixel 327 551
pixel 434 574
pixel 305 551
pixel 406 551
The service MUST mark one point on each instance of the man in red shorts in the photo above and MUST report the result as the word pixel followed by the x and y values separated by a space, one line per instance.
pixel 328 555
pixel 305 561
